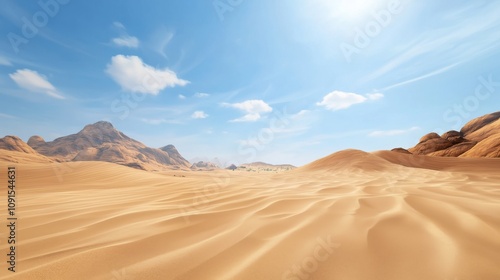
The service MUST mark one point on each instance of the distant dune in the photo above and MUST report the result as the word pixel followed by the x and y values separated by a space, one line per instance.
pixel 478 138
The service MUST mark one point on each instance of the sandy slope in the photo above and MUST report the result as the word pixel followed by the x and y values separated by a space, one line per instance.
pixel 351 215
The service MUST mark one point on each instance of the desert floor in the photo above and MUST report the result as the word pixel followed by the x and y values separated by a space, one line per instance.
pixel 351 215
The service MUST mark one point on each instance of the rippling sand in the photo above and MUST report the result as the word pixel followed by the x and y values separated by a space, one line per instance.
pixel 351 215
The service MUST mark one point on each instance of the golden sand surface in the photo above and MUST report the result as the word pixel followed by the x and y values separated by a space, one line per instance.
pixel 351 215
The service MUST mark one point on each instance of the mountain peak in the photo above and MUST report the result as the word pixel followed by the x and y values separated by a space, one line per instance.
pixel 101 142
pixel 100 125
pixel 101 132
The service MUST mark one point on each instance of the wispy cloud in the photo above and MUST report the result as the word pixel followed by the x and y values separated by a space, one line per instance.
pixel 160 39
pixel 338 100
pixel 384 133
pixel 201 95
pixel 199 115
pixel 34 82
pixel 124 40
pixel 300 115
pixel 253 109
pixel 182 97
pixel 428 75
pixel 444 48
pixel 134 75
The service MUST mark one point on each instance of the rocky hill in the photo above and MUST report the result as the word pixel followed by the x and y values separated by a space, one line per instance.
pixel 100 142
pixel 478 138
pixel 14 143
pixel 13 149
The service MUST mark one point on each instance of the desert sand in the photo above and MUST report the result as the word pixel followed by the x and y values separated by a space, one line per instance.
pixel 351 215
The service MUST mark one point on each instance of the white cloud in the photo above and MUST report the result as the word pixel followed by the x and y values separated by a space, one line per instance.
pixel 199 115
pixel 134 75
pixel 382 133
pixel 126 41
pixel 338 100
pixel 201 95
pixel 181 96
pixel 34 82
pixel 253 108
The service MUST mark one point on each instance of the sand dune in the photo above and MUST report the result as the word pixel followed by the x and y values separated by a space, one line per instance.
pixel 23 157
pixel 352 215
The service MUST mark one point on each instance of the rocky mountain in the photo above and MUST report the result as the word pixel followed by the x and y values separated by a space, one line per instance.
pixel 478 138
pixel 102 142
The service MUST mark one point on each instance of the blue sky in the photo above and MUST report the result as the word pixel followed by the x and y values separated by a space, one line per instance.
pixel 242 81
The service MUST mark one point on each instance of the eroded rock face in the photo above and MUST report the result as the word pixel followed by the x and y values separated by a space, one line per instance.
pixel 453 136
pixel 429 136
pixel 479 123
pixel 430 145
pixel 480 137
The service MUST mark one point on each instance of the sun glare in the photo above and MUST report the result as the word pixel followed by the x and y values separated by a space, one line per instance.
pixel 352 10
